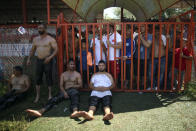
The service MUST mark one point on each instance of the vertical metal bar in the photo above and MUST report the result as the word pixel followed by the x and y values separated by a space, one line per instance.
pixel 101 49
pixel 94 51
pixel 166 60
pixel 159 63
pixel 124 50
pixel 73 42
pixel 108 48
pixel 115 53
pixel 152 67
pixel 138 62
pixel 122 87
pixel 87 51
pixel 145 63
pixel 66 38
pixel 60 53
pixel 173 57
pixel 180 58
pixel 81 71
pixel 131 78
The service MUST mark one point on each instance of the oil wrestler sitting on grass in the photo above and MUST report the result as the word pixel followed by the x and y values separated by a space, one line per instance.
pixel 19 85
pixel 70 81
pixel 101 83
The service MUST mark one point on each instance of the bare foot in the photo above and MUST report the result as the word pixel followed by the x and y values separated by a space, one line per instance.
pixel 33 113
pixel 76 114
pixel 49 97
pixel 36 99
pixel 108 116
pixel 86 115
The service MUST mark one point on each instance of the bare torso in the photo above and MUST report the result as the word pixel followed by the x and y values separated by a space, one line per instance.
pixel 43 46
pixel 19 83
pixel 70 79
pixel 156 48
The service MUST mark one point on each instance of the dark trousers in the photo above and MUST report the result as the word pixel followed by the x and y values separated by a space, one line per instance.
pixel 73 96
pixel 41 68
pixel 10 98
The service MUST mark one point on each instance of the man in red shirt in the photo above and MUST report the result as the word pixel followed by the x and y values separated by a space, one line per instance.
pixel 183 55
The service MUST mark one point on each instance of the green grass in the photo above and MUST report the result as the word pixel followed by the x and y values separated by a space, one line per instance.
pixel 145 112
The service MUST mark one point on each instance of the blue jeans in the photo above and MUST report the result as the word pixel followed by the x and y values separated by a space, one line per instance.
pixel 155 71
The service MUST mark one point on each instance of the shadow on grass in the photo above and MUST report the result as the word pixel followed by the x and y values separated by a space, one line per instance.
pixel 121 103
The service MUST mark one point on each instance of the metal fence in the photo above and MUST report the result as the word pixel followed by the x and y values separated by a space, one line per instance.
pixel 146 78
pixel 15 46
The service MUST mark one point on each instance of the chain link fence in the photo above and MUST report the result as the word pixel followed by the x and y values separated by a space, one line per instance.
pixel 15 48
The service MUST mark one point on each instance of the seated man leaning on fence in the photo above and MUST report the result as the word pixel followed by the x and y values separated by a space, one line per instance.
pixel 19 84
pixel 70 81
pixel 101 83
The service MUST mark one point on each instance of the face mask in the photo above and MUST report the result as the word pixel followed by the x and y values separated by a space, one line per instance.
pixel 41 32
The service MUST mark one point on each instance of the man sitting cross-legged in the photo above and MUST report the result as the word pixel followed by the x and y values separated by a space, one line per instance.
pixel 70 81
pixel 101 83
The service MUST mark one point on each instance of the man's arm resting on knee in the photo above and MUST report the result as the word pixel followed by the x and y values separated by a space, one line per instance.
pixel 62 86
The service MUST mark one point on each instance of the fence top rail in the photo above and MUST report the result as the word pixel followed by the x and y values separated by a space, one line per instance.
pixel 119 23
pixel 24 25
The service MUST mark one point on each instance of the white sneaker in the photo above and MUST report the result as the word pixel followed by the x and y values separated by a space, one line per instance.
pixel 140 92
pixel 156 88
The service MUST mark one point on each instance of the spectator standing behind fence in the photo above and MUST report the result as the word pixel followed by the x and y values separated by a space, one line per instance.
pixel 43 45
pixel 128 54
pixel 156 59
pixel 143 44
pixel 183 55
pixel 86 61
pixel 113 44
pixel 73 47
pixel 19 85
pixel 100 49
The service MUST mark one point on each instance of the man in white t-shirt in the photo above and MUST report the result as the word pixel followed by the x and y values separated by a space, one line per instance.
pixel 100 48
pixel 114 44
pixel 101 83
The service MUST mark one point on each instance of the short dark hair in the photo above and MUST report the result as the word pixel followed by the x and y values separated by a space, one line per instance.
pixel 44 25
pixel 111 25
pixel 18 68
pixel 83 40
pixel 157 27
pixel 101 61
pixel 70 60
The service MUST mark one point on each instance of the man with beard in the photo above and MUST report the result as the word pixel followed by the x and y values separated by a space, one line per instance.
pixel 43 45
pixel 101 83
pixel 70 81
